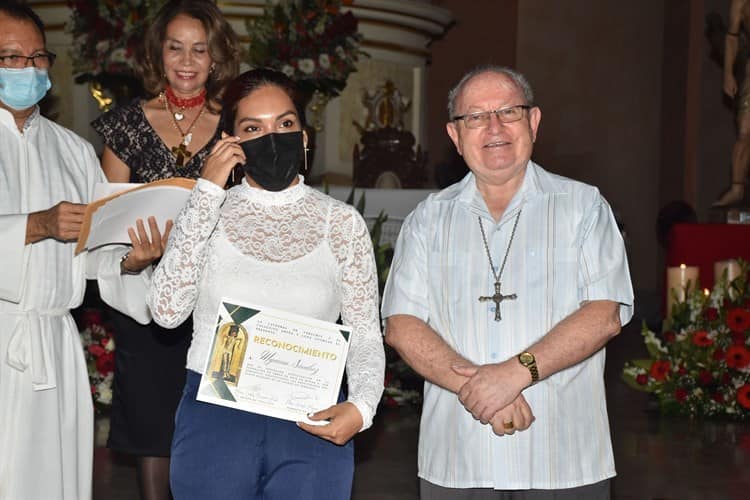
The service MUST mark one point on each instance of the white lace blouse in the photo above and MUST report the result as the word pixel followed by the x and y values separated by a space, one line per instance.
pixel 297 250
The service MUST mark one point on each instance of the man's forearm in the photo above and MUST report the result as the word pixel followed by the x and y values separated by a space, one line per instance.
pixel 425 351
pixel 577 337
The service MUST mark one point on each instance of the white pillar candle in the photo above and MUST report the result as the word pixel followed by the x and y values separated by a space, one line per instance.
pixel 731 266
pixel 680 280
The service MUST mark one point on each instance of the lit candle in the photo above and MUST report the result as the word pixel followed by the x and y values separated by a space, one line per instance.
pixel 732 268
pixel 680 280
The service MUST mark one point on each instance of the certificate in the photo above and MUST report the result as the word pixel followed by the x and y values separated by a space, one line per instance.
pixel 273 362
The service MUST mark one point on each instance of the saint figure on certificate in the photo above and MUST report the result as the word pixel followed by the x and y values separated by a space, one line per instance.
pixel 229 351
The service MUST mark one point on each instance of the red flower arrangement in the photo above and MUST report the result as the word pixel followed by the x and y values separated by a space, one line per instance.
pixel 312 41
pixel 659 369
pixel 738 357
pixel 700 365
pixel 701 339
pixel 105 37
pixel 99 350
pixel 106 34
pixel 738 319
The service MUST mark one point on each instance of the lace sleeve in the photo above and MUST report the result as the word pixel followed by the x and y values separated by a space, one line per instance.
pixel 365 366
pixel 174 286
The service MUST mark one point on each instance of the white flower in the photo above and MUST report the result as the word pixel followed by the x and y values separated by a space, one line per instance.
pixel 340 51
pixel 320 27
pixel 104 393
pixel 288 70
pixel 306 66
pixel 650 337
pixel 118 55
pixel 717 297
pixel 110 346
pixel 324 61
pixel 86 337
pixel 102 47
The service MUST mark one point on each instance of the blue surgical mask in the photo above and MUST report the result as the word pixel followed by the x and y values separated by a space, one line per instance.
pixel 22 88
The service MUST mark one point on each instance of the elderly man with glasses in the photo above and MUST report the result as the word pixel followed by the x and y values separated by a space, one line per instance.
pixel 504 289
pixel 47 174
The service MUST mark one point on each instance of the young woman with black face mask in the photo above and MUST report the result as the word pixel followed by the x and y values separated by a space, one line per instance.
pixel 275 242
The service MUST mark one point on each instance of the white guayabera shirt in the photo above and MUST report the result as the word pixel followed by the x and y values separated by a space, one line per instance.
pixel 296 250
pixel 567 249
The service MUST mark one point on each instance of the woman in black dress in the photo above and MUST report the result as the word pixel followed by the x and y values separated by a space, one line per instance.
pixel 189 56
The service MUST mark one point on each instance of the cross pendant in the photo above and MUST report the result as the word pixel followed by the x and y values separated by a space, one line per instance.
pixel 181 152
pixel 497 299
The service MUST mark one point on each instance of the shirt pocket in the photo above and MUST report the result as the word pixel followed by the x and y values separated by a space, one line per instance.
pixel 451 275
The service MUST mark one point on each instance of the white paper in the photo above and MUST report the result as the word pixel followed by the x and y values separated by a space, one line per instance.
pixel 110 222
pixel 104 189
pixel 274 363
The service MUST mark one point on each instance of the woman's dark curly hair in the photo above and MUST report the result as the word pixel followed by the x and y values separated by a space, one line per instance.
pixel 222 47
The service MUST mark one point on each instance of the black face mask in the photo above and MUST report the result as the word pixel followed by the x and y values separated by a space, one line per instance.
pixel 273 161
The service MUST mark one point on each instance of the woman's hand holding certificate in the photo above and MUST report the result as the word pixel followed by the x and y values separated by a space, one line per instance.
pixel 344 422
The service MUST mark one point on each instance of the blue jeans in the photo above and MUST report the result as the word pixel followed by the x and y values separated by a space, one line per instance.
pixel 220 452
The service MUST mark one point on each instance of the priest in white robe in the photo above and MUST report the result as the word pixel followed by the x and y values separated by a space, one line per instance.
pixel 47 174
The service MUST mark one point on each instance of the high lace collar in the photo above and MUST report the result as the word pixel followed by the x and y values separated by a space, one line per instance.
pixel 257 195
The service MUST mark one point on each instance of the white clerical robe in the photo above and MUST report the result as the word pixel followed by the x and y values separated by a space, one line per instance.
pixel 46 412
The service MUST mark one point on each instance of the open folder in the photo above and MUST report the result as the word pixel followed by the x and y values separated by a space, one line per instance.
pixel 106 220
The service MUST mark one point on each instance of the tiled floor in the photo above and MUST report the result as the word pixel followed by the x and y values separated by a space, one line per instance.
pixel 657 457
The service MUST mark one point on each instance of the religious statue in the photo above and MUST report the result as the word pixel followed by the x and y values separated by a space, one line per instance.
pixel 387 158
pixel 737 86
pixel 228 352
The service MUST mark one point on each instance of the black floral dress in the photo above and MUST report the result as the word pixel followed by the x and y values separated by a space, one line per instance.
pixel 149 360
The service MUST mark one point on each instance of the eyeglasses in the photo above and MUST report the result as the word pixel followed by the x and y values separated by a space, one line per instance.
pixel 482 119
pixel 43 60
